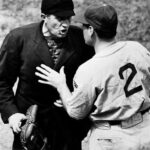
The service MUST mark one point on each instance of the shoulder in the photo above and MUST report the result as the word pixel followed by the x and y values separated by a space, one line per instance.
pixel 131 47
pixel 75 29
pixel 25 30
pixel 134 44
pixel 136 47
pixel 19 35
pixel 86 68
pixel 75 32
pixel 86 74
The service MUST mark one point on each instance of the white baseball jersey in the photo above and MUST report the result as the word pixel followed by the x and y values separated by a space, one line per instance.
pixel 114 84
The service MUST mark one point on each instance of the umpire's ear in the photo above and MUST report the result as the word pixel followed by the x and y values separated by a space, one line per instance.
pixel 43 16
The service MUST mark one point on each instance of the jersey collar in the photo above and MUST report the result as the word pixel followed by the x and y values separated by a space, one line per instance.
pixel 111 49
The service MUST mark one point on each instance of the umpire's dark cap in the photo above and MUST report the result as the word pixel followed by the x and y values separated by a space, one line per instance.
pixel 61 8
pixel 99 15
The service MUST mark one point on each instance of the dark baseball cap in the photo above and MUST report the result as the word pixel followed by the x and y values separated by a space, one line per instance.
pixel 61 8
pixel 99 15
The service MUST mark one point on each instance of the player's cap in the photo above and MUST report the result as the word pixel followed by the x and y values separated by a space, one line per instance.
pixel 99 15
pixel 61 8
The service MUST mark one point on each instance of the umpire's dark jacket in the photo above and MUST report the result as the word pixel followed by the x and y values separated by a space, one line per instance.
pixel 22 51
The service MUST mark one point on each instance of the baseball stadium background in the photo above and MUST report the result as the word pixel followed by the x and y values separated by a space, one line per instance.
pixel 134 24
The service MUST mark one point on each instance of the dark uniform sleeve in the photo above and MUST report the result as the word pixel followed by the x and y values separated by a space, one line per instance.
pixel 9 68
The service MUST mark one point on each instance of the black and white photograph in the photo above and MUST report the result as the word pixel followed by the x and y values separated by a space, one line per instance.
pixel 74 74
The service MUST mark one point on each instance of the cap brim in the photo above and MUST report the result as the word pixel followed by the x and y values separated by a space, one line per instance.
pixel 65 13
pixel 79 17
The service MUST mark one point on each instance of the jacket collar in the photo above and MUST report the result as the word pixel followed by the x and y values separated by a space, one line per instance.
pixel 114 47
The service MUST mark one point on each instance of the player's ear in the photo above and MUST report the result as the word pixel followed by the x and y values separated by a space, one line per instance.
pixel 91 30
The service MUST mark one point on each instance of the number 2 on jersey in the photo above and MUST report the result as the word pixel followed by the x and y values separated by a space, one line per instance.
pixel 129 79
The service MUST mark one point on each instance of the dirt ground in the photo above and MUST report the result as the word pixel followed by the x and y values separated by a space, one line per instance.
pixel 6 136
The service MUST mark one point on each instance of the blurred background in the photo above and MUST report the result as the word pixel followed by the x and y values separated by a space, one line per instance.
pixel 134 24
pixel 134 19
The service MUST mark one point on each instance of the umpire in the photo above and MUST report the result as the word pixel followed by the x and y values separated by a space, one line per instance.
pixel 56 43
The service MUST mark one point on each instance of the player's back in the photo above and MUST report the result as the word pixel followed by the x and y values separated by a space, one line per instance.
pixel 121 73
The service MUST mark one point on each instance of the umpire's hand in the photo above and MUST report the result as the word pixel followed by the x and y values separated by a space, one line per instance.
pixel 15 121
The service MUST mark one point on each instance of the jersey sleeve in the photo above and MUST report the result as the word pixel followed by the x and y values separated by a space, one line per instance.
pixel 83 96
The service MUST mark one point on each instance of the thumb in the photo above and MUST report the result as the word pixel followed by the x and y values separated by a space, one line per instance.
pixel 23 117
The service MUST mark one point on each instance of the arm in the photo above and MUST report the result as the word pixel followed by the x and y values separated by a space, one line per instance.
pixel 77 104
pixel 9 68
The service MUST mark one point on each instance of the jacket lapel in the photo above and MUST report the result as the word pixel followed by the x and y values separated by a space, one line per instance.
pixel 65 54
pixel 42 51
pixel 41 48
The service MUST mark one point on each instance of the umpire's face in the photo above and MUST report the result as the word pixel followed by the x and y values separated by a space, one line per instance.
pixel 57 26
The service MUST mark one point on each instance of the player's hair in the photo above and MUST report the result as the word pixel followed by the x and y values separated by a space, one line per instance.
pixel 103 18
pixel 105 35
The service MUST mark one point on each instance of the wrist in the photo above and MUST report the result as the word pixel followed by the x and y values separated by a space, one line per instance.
pixel 61 87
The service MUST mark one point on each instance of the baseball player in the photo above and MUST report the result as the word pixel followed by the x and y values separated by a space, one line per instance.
pixel 113 87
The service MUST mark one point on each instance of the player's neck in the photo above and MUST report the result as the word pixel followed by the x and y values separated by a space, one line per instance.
pixel 102 45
